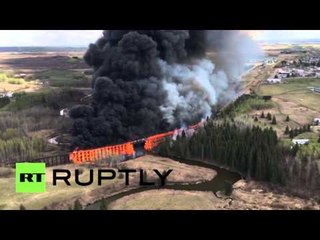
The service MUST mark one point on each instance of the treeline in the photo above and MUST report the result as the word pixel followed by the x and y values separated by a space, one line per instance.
pixel 254 152
pixel 34 119
pixel 21 149
pixel 295 132
pixel 303 171
pixel 54 99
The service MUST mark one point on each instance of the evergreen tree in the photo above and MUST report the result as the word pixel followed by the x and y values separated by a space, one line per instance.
pixel 287 131
pixel 77 205
pixel 269 117
pixel 304 129
pixel 274 121
pixel 287 118
pixel 309 128
pixel 255 119
pixel 262 115
pixel 291 134
pixel 295 149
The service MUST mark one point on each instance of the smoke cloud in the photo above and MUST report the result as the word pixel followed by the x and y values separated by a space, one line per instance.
pixel 146 82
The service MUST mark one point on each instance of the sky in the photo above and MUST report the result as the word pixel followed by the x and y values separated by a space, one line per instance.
pixel 56 38
pixel 82 38
pixel 284 35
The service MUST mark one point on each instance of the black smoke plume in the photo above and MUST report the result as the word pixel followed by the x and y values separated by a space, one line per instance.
pixel 150 81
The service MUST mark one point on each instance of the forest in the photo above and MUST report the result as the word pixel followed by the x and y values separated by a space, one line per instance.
pixel 254 152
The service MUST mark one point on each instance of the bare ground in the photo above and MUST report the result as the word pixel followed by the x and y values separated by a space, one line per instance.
pixel 246 196
pixel 182 173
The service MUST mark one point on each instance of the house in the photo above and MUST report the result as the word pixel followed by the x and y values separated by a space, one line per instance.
pixel 300 141
pixel 317 121
pixel 299 72
pixel 283 73
pixel 274 80
pixel 64 112
pixel 316 89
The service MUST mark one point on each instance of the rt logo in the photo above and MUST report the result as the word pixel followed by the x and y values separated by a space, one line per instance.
pixel 30 177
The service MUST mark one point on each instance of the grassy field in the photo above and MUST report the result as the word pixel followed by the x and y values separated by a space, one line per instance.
pixel 295 90
pixel 63 78
pixel 293 99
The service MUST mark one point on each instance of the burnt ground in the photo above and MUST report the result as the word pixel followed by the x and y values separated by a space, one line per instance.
pixel 27 63
pixel 42 63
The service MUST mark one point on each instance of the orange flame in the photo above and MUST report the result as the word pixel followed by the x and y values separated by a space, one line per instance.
pixel 91 155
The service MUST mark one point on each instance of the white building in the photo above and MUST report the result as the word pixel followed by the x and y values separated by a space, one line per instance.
pixel 64 112
pixel 300 141
pixel 274 80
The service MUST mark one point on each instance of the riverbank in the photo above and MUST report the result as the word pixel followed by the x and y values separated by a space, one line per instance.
pixel 216 184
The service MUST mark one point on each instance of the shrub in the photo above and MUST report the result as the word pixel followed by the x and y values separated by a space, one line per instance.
pixel 269 116
pixel 77 205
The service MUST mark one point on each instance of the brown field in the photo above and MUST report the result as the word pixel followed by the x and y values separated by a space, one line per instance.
pixel 29 63
pixel 181 172
pixel 246 196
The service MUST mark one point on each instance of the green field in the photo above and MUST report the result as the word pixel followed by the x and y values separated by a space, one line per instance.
pixel 295 90
pixel 64 78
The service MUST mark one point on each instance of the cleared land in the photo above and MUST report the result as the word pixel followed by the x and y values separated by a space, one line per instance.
pixel 292 98
pixel 63 197
pixel 169 200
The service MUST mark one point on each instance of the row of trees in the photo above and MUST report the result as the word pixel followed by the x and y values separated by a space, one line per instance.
pixel 295 132
pixel 303 171
pixel 269 117
pixel 21 149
